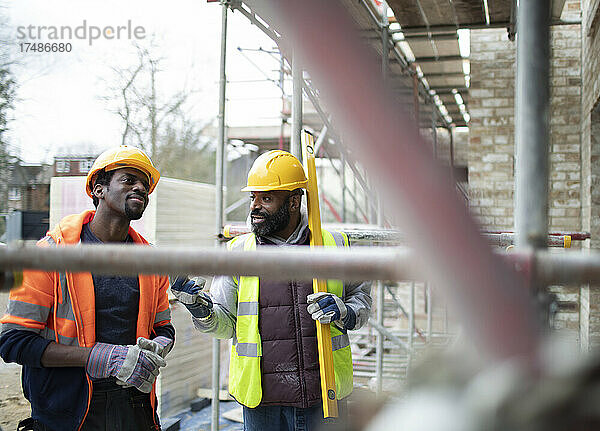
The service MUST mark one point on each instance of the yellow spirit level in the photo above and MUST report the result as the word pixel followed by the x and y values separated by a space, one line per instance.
pixel 328 393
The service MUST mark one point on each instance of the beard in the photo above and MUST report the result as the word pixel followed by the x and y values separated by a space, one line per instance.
pixel 134 213
pixel 272 223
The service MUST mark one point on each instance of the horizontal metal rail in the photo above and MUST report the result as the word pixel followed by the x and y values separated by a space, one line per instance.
pixel 360 263
pixel 501 239
pixel 575 236
pixel 271 262
pixel 473 26
pixel 567 268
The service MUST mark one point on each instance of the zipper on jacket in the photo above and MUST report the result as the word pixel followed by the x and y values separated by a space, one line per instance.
pixel 89 401
pixel 295 299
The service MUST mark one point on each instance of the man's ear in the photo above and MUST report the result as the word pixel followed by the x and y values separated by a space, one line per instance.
pixel 295 201
pixel 98 191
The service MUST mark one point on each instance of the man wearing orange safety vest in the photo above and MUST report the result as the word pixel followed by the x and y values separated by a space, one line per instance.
pixel 92 345
pixel 274 368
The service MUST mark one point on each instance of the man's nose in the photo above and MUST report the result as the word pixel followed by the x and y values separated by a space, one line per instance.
pixel 140 188
pixel 254 204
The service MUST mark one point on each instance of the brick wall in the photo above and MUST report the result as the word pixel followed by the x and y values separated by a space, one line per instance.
pixel 590 154
pixel 491 134
pixel 565 129
pixel 491 141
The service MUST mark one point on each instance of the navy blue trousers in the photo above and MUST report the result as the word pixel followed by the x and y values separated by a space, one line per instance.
pixel 113 408
pixel 283 418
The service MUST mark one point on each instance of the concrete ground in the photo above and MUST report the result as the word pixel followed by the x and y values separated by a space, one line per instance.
pixel 13 406
pixel 196 421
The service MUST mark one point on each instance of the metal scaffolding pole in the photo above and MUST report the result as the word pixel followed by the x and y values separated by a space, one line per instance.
pixel 380 217
pixel 532 124
pixel 429 299
pixel 380 317
pixel 281 85
pixel 451 137
pixel 389 236
pixel 297 81
pixel 434 135
pixel 416 94
pixel 411 324
pixel 220 162
pixel 359 263
pixel 343 175
pixel 320 140
pixel 355 189
pixel 380 338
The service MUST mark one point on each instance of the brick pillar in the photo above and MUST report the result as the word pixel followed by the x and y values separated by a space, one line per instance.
pixel 564 213
pixel 590 295
pixel 491 132
pixel 491 141
pixel 590 156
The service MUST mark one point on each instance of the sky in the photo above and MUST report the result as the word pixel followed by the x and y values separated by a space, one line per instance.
pixel 61 106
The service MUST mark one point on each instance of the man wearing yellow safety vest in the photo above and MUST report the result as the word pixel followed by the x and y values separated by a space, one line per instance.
pixel 274 368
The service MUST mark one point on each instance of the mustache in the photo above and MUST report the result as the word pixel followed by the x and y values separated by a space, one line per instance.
pixel 137 195
pixel 259 213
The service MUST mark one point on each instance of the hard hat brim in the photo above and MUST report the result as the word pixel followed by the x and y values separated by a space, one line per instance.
pixel 267 188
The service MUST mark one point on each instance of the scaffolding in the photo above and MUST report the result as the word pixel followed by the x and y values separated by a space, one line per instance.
pixel 531 232
pixel 476 275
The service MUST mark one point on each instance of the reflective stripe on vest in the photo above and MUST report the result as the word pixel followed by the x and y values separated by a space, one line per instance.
pixel 64 310
pixel 244 367
pixel 25 310
pixel 49 334
pixel 162 316
pixel 339 342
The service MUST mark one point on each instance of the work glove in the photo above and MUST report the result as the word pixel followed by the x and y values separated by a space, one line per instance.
pixel 131 365
pixel 159 345
pixel 327 308
pixel 191 295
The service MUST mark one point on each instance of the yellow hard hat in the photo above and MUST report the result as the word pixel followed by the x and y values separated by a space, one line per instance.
pixel 276 170
pixel 123 157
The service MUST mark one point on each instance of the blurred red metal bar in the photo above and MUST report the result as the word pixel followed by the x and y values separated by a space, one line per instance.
pixel 489 297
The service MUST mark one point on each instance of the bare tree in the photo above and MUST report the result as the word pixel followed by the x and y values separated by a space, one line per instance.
pixel 143 111
pixel 162 125
pixel 8 88
pixel 187 152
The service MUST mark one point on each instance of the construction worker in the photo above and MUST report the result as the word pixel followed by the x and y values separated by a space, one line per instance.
pixel 91 345
pixel 274 366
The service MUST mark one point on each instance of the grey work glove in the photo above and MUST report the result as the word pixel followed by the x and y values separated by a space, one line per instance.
pixel 326 308
pixel 191 295
pixel 159 345
pixel 131 365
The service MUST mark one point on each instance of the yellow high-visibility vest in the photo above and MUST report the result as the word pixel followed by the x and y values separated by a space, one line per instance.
pixel 244 366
